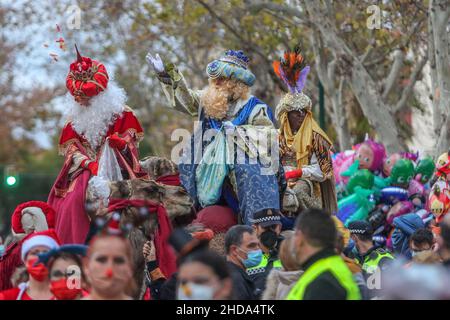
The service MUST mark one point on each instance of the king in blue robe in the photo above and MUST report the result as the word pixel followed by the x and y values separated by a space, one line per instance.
pixel 243 133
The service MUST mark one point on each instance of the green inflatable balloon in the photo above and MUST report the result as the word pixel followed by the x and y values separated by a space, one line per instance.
pixel 362 178
pixel 402 173
pixel 424 170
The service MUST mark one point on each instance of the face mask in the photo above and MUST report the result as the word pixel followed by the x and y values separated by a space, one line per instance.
pixel 269 239
pixel 2 250
pixel 254 258
pixel 192 291
pixel 38 272
pixel 62 292
pixel 415 253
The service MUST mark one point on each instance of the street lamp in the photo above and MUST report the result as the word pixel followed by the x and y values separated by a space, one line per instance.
pixel 11 180
pixel 10 176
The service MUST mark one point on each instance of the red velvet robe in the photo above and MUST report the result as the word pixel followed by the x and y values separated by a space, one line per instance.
pixel 68 194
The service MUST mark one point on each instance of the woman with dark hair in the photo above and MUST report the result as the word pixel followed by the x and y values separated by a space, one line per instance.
pixel 67 280
pixel 204 275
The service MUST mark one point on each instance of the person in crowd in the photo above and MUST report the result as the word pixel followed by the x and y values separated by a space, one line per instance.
pixel 66 276
pixel 204 275
pixel 243 252
pixel 280 281
pixel 369 256
pixel 404 227
pixel 267 225
pixel 352 264
pixel 184 243
pixel 372 258
pixel 305 149
pixel 97 117
pixel 228 106
pixel 326 276
pixel 28 217
pixel 108 266
pixel 443 241
pixel 426 257
pixel 420 241
pixel 38 285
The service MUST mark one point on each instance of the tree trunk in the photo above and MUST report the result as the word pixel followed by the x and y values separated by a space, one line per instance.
pixel 439 13
pixel 341 118
pixel 326 71
pixel 377 113
pixel 363 86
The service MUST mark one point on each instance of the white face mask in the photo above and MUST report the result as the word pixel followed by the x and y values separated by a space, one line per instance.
pixel 192 291
pixel 415 253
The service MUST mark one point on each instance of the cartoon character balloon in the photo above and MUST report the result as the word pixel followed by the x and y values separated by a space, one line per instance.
pixel 389 163
pixel 402 173
pixel 370 155
pixel 362 178
pixel 341 162
pixel 424 170
pixel 443 166
pixel 439 201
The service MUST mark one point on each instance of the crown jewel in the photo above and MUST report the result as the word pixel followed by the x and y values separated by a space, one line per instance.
pixel 236 57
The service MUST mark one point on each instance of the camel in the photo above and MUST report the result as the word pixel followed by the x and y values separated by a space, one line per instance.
pixel 175 199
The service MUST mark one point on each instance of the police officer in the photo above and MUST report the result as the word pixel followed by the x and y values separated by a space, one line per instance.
pixel 373 259
pixel 267 225
pixel 326 276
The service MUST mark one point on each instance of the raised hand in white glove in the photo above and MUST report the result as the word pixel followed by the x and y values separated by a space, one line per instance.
pixel 155 62
pixel 228 125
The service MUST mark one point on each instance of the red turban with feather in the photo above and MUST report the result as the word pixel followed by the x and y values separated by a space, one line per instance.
pixel 86 77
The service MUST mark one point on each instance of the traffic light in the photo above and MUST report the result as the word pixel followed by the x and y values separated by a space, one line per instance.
pixel 11 176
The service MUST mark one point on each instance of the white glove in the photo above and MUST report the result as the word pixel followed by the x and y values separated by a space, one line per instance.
pixel 228 125
pixel 155 62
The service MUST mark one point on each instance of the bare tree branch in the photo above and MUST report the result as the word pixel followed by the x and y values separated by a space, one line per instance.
pixel 407 92
pixel 392 77
pixel 256 6
pixel 247 43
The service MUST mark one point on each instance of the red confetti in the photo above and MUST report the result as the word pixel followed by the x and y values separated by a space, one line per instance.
pixel 62 44
pixel 58 28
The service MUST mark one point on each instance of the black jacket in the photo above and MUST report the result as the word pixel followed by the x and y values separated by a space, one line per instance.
pixel 325 286
pixel 243 286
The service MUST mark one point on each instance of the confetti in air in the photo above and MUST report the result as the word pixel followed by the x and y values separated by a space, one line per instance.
pixel 54 56
pixel 62 44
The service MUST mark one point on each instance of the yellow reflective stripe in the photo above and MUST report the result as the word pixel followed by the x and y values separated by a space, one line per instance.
pixel 374 262
pixel 263 264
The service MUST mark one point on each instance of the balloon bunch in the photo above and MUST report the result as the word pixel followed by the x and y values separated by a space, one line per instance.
pixel 377 187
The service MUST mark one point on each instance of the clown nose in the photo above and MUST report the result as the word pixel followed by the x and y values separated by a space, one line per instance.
pixel 109 273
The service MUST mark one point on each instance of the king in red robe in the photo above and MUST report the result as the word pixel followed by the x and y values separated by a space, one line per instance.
pixel 97 115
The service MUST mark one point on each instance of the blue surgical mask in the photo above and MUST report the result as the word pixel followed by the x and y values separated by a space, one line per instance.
pixel 193 291
pixel 2 250
pixel 254 258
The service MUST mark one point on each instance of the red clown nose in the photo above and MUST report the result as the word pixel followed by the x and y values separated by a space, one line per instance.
pixel 109 273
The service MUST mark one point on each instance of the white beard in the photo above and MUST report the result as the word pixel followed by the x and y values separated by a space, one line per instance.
pixel 92 122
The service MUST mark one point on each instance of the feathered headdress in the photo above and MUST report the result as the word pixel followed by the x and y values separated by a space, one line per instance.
pixel 291 70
